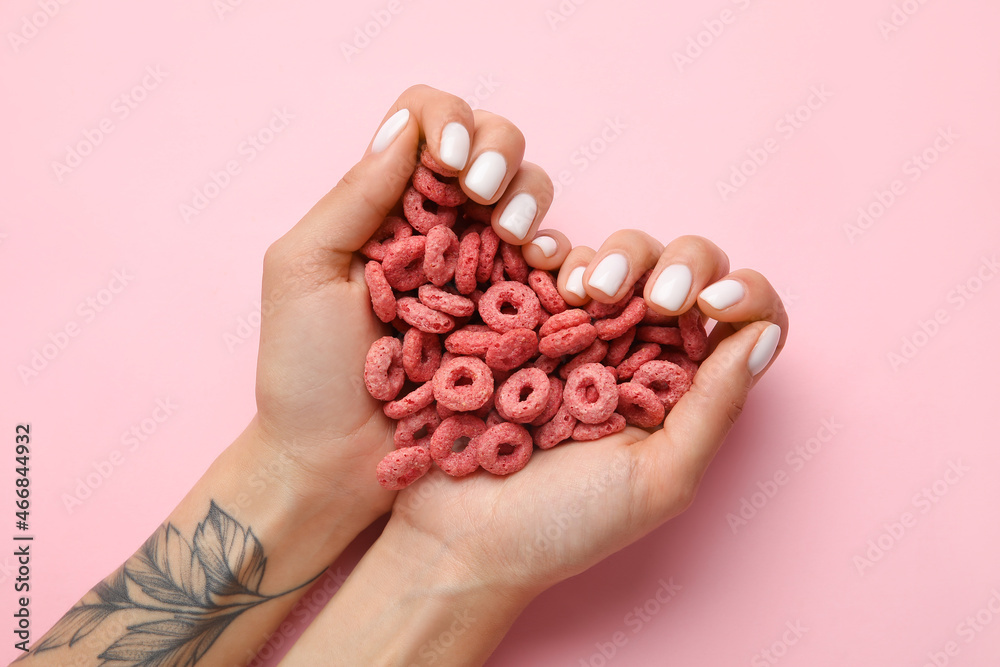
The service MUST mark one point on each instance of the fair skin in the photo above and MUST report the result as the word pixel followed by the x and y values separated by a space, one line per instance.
pixel 452 545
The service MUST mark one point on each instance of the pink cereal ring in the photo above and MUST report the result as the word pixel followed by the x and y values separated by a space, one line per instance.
pixel 384 375
pixel 467 263
pixel 418 399
pixel 440 192
pixel 512 349
pixel 643 353
pixel 564 320
pixel 547 364
pixel 383 300
pixel 403 467
pixel 394 227
pixel 613 424
pixel 471 340
pixel 415 430
pixel 661 335
pixel 416 314
pixel 403 264
pixel 513 262
pixel 619 348
pixel 441 255
pixel 668 381
pixel 593 354
pixel 424 214
pixel 518 296
pixel 497 275
pixel 463 384
pixel 489 243
pixel 556 430
pixel 693 334
pixel 552 406
pixel 629 317
pixel 567 341
pixel 601 311
pixel 548 294
pixel 428 161
pixel 490 446
pixel 523 396
pixel 639 405
pixel 421 354
pixel 446 444
pixel 446 302
pixel 591 394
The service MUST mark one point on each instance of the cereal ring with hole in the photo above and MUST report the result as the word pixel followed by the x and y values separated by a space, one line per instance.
pixel 518 297
pixel 403 467
pixel 592 355
pixel 416 314
pixel 552 405
pixel 619 348
pixel 643 353
pixel 451 444
pixel 661 335
pixel 548 294
pixel 403 264
pixel 639 405
pixel 446 302
pixel 629 317
pixel 513 262
pixel 423 214
pixel 471 340
pixel 591 394
pixel 418 399
pixel 482 213
pixel 440 255
pixel 568 341
pixel 583 432
pixel 463 384
pixel 421 354
pixel 383 300
pixel 682 360
pixel 489 243
pixel 564 320
pixel 693 334
pixel 394 227
pixel 558 429
pixel 428 161
pixel 512 349
pixel 415 430
pixel 384 375
pixel 467 263
pixel 600 311
pixel 523 396
pixel 504 448
pixel 442 193
pixel 668 381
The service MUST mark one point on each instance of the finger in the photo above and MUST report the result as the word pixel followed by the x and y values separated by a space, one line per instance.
pixel 687 265
pixel 547 250
pixel 495 156
pixel 524 203
pixel 746 296
pixel 570 282
pixel 622 259
pixel 672 461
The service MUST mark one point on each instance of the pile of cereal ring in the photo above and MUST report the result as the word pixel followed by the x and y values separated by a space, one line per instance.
pixel 489 361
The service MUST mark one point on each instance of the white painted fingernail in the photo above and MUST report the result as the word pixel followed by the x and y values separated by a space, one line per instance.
pixel 723 294
pixel 762 352
pixel 390 130
pixel 455 145
pixel 671 288
pixel 486 174
pixel 574 282
pixel 610 273
pixel 518 215
pixel 546 244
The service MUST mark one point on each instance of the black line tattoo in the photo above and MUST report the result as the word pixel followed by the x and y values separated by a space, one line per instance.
pixel 190 593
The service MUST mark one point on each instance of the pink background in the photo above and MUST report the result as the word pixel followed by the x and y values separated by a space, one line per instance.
pixel 854 298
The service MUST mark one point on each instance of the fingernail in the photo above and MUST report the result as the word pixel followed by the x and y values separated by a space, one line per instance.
pixel 574 282
pixel 610 273
pixel 546 244
pixel 486 174
pixel 455 145
pixel 671 288
pixel 518 215
pixel 723 294
pixel 762 352
pixel 390 130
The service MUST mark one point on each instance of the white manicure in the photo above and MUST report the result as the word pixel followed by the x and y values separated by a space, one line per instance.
pixel 574 282
pixel 764 349
pixel 723 294
pixel 609 274
pixel 455 145
pixel 518 215
pixel 671 288
pixel 546 244
pixel 390 130
pixel 486 174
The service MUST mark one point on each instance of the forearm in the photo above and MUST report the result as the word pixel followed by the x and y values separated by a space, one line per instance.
pixel 400 607
pixel 218 576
